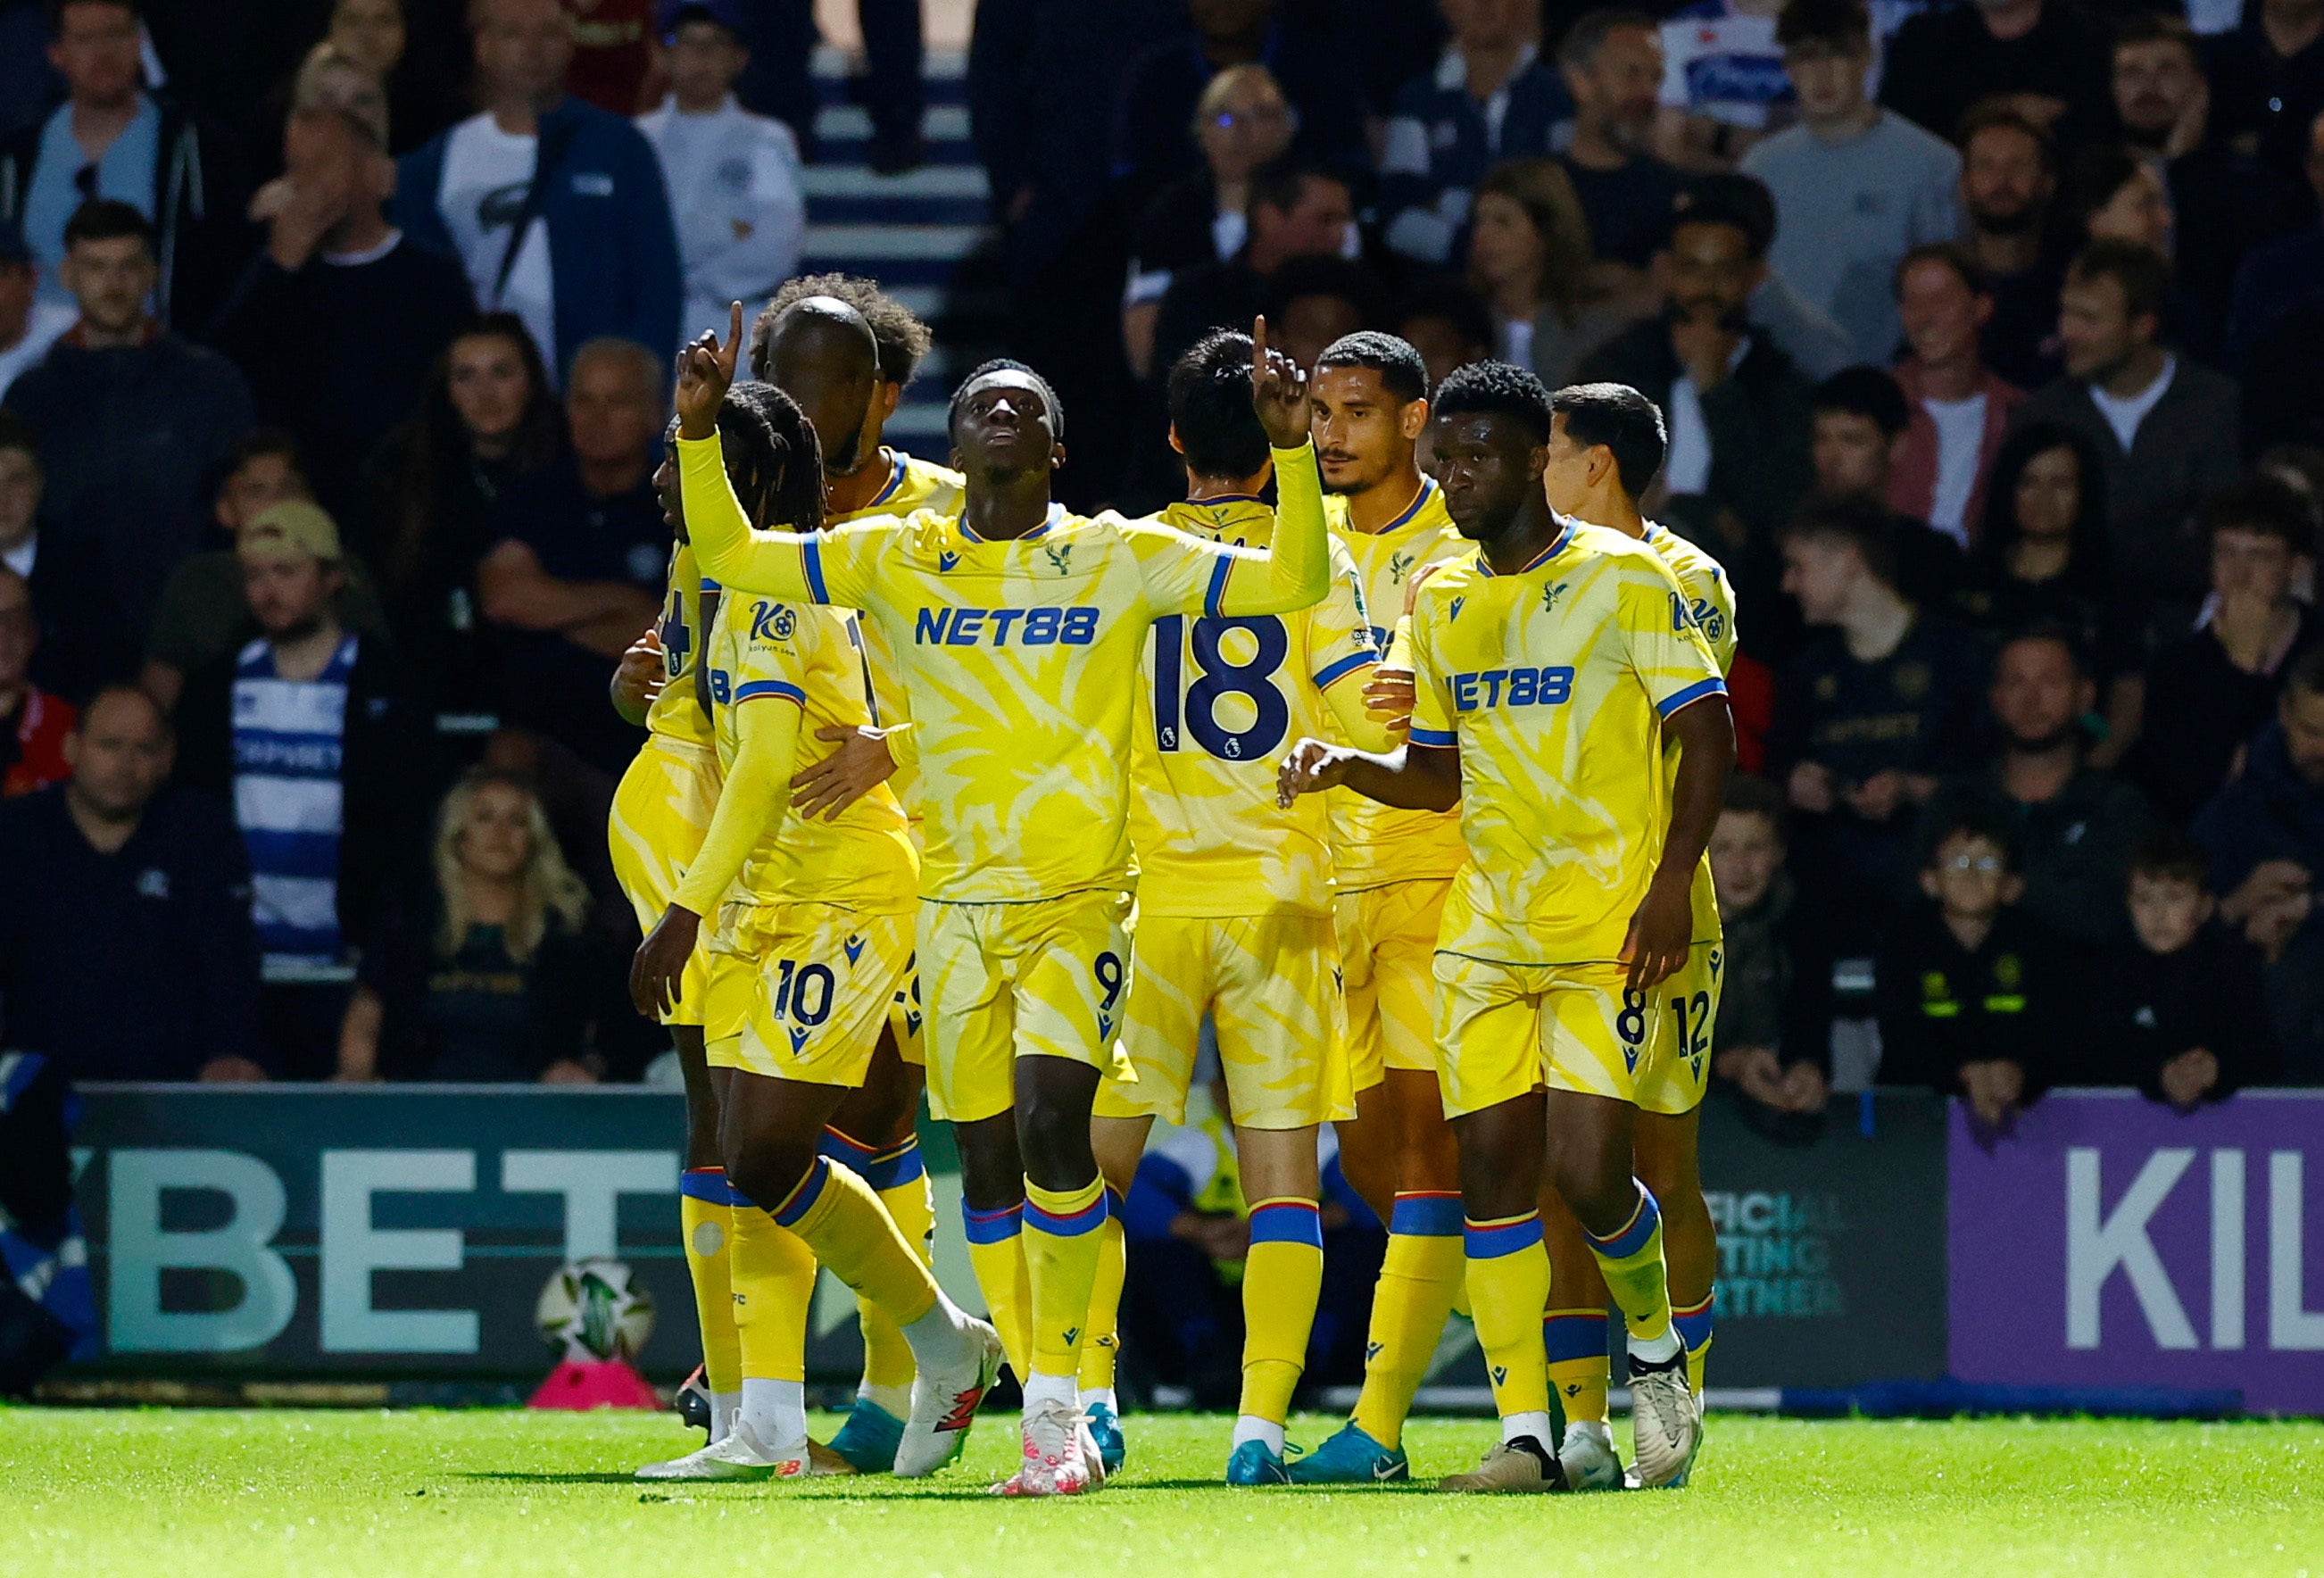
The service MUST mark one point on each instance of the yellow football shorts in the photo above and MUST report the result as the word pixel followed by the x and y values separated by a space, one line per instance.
pixel 1044 978
pixel 661 810
pixel 1679 1072
pixel 1505 1029
pixel 801 991
pixel 1387 939
pixel 1269 984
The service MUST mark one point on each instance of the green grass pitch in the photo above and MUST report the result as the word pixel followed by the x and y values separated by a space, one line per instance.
pixel 183 1494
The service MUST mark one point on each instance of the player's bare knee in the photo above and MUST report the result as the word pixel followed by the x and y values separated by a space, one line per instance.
pixel 992 1173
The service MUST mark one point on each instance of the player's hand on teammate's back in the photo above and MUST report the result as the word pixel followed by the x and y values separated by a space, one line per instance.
pixel 661 960
pixel 706 370
pixel 862 763
pixel 1311 767
pixel 1278 392
pixel 638 680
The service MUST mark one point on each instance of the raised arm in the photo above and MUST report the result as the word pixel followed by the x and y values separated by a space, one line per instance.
pixel 1296 571
pixel 772 564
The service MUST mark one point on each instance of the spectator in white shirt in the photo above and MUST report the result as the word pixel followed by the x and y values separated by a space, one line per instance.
pixel 734 177
pixel 1958 406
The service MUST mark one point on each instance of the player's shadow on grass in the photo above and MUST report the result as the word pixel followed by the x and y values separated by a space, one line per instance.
pixel 513 1477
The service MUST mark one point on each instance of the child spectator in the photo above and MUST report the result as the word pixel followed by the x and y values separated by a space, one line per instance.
pixel 2180 1001
pixel 1965 982
pixel 1773 1029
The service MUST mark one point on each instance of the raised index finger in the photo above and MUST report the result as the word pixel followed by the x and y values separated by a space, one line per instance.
pixel 1259 347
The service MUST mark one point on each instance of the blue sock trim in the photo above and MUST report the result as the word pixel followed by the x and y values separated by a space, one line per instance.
pixel 1287 1221
pixel 1429 1215
pixel 706 1184
pixel 1693 1325
pixel 991 1227
pixel 1573 1335
pixel 1088 1219
pixel 803 1198
pixel 880 1170
pixel 1633 1234
pixel 1491 1240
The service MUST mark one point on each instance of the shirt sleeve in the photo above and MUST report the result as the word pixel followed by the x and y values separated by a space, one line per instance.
pixel 769 667
pixel 1665 646
pixel 836 566
pixel 1185 574
pixel 1432 707
pixel 1341 655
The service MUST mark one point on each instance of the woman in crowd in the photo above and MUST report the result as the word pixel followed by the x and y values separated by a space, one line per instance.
pixel 1529 259
pixel 1241 122
pixel 486 972
pixel 2041 559
pixel 488 417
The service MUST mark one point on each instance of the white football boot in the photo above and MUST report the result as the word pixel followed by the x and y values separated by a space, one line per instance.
pixel 944 1404
pixel 1588 1456
pixel 1665 1423
pixel 739 1455
pixel 1060 1456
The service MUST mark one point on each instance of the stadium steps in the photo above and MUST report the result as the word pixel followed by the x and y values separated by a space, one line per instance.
pixel 926 236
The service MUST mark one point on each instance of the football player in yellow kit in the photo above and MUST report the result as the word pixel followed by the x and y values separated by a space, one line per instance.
pixel 823 909
pixel 1017 627
pixel 1550 671
pixel 1234 904
pixel 1606 444
pixel 813 347
pixel 1395 867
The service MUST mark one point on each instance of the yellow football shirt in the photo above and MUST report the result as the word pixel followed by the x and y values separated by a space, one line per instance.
pixel 913 484
pixel 1553 683
pixel 1374 845
pixel 1703 584
pixel 676 713
pixel 793 668
pixel 1020 659
pixel 1222 698
pixel 1708 599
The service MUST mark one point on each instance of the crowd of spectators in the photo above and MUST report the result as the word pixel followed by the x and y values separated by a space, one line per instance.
pixel 332 383
pixel 1986 335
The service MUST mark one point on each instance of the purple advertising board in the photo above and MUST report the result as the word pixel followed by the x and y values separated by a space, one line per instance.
pixel 2113 1243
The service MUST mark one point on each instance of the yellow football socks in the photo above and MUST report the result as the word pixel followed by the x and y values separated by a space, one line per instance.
pixel 1575 1341
pixel 1062 1246
pixel 900 1178
pixel 1418 1279
pixel 1102 1345
pixel 843 1222
pixel 996 1250
pixel 1282 1277
pixel 1509 1284
pixel 1693 1327
pixel 774 1289
pixel 1631 1260
pixel 703 1211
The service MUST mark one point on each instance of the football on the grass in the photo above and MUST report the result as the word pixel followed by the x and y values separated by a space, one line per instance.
pixel 593 1309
